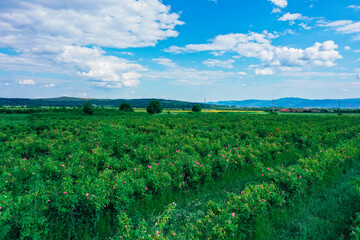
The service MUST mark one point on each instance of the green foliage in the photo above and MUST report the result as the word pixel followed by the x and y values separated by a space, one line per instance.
pixel 67 176
pixel 88 108
pixel 126 107
pixel 196 108
pixel 154 107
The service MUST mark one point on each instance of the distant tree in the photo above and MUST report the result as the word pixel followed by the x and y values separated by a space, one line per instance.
pixel 154 107
pixel 196 108
pixel 88 108
pixel 126 107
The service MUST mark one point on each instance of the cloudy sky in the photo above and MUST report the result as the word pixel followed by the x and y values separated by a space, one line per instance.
pixel 180 49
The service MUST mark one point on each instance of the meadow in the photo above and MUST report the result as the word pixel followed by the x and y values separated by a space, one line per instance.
pixel 178 175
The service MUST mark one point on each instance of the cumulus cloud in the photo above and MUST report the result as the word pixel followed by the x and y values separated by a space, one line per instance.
pixel 347 48
pixel 217 63
pixel 41 31
pixel 291 17
pixel 104 71
pixel 255 45
pixel 265 71
pixel 279 3
pixel 111 23
pixel 27 82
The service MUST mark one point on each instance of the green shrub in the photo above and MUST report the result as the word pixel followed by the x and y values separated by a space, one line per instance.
pixel 88 108
pixel 126 107
pixel 154 107
pixel 196 108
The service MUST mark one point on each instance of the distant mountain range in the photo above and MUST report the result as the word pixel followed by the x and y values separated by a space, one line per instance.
pixel 294 103
pixel 143 103
pixel 74 102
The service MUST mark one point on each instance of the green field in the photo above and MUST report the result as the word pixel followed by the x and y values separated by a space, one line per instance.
pixel 227 175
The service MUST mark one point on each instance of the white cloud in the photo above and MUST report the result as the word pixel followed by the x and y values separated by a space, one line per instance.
pixel 127 53
pixel 279 3
pixel 254 45
pixel 246 44
pixel 28 62
pixel 291 17
pixel 104 71
pixel 289 31
pixel 41 31
pixel 111 23
pixel 343 26
pixel 334 75
pixel 347 48
pixel 218 63
pixel 354 7
pixel 303 25
pixel 165 61
pixel 265 71
pixel 276 10
pixel 49 85
pixel 27 82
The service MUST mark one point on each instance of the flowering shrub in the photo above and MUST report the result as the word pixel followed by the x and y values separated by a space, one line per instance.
pixel 73 170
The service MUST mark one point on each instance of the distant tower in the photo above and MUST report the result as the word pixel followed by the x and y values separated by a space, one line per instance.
pixel 204 103
pixel 273 105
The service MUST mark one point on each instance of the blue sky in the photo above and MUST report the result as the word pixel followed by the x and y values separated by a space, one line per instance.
pixel 180 49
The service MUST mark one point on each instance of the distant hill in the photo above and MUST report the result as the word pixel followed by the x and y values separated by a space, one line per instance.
pixel 294 103
pixel 144 102
pixel 74 102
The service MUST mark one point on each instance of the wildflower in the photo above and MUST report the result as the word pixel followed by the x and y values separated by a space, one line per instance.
pixel 134 169
pixel 65 192
pixel 233 214
pixel 70 156
pixel 150 166
pixel 87 194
